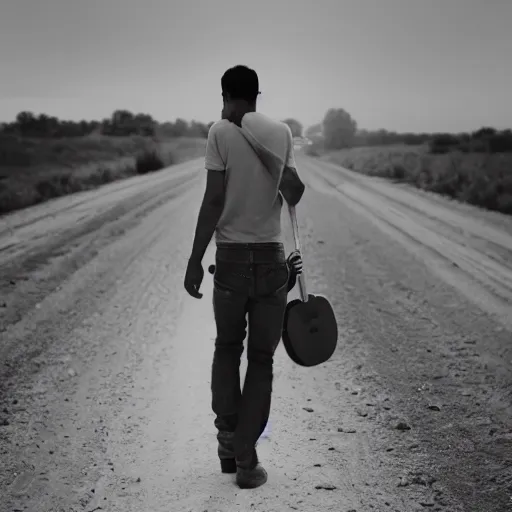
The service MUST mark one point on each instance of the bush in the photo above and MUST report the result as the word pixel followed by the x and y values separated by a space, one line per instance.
pixel 398 172
pixel 505 203
pixel 501 142
pixel 13 152
pixel 148 161
pixel 443 143
pixel 65 166
pixel 437 149
pixel 483 180
pixel 485 140
pixel 54 186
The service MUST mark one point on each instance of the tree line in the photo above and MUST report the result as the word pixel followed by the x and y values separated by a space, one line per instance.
pixel 120 123
pixel 339 130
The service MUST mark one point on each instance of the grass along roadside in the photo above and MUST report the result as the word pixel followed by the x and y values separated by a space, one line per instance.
pixel 480 179
pixel 34 171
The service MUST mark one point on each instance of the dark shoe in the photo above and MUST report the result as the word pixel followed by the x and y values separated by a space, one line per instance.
pixel 251 478
pixel 226 452
pixel 228 465
pixel 250 475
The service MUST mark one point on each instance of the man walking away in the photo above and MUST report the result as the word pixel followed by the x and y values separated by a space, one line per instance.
pixel 242 205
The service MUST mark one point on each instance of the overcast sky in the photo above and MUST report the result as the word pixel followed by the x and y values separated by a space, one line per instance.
pixel 405 65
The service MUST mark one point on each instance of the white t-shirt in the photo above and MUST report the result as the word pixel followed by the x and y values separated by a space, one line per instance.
pixel 252 208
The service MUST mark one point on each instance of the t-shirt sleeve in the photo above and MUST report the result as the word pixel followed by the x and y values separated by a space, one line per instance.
pixel 213 158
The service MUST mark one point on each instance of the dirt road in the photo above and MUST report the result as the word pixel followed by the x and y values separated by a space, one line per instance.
pixel 105 361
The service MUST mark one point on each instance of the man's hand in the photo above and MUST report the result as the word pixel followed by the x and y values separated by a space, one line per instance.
pixel 194 278
pixel 295 261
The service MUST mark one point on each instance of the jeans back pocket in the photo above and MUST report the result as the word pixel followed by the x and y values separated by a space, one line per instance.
pixel 231 277
pixel 271 279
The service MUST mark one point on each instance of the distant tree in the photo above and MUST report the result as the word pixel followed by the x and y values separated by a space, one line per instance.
pixel 197 129
pixel 339 129
pixel 84 127
pixel 180 127
pixel 26 123
pixel 484 133
pixel 295 127
pixel 443 142
pixel 41 126
pixel 122 116
pixel 106 126
pixel 53 125
pixel 122 123
pixel 143 124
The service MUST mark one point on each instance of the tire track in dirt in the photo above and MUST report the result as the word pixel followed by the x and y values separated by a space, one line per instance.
pixel 493 287
pixel 26 279
pixel 428 345
pixel 103 344
pixel 113 411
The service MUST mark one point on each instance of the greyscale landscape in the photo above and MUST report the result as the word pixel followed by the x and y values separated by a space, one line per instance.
pixel 406 228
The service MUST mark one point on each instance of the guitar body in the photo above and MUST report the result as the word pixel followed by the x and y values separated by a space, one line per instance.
pixel 310 331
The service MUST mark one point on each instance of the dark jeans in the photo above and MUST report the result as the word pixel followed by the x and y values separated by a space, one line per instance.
pixel 250 283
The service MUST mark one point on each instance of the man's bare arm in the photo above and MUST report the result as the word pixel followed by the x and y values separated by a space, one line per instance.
pixel 209 214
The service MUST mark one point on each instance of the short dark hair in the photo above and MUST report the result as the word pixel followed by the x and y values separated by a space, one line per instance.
pixel 240 82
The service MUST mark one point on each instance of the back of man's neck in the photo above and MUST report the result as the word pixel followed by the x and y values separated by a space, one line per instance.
pixel 241 108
